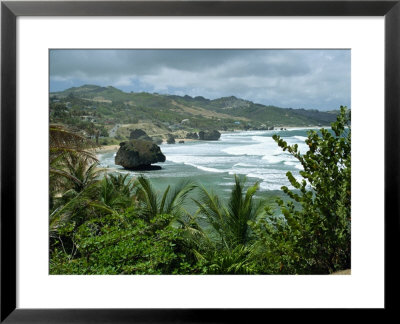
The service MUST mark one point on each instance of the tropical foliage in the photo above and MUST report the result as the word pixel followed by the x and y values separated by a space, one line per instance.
pixel 314 234
pixel 114 224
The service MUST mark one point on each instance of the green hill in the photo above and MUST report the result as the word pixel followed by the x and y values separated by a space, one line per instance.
pixel 110 106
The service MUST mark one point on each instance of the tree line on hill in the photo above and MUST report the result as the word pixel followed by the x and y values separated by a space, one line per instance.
pixel 108 106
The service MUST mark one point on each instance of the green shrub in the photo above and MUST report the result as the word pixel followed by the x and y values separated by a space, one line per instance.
pixel 314 234
pixel 124 244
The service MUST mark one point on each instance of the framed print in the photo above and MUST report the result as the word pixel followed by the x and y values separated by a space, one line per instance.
pixel 196 152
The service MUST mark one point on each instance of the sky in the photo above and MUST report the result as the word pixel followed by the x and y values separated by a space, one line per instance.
pixel 311 79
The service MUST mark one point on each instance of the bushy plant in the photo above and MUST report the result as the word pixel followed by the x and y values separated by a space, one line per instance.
pixel 125 244
pixel 314 234
pixel 239 260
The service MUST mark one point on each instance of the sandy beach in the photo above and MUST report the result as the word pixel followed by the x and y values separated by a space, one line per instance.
pixel 107 148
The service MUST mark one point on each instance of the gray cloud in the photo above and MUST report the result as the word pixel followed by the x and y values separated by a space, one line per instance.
pixel 288 78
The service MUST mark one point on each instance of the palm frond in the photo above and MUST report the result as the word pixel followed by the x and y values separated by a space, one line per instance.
pixel 178 196
pixel 231 221
pixel 63 141
pixel 164 198
pixel 148 197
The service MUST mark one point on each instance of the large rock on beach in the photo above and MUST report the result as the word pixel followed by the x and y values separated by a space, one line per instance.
pixel 192 135
pixel 170 139
pixel 213 135
pixel 139 155
pixel 139 134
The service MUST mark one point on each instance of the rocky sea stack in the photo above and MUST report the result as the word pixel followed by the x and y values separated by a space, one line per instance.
pixel 139 155
pixel 192 135
pixel 170 139
pixel 209 135
pixel 139 134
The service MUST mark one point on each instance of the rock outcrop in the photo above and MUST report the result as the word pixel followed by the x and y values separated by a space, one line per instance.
pixel 139 134
pixel 139 155
pixel 170 139
pixel 209 135
pixel 192 135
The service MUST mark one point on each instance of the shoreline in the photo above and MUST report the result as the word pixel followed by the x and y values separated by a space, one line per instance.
pixel 115 147
pixel 275 129
pixel 199 159
pixel 107 148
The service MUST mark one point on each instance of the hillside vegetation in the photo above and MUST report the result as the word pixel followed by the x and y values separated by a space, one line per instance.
pixel 98 109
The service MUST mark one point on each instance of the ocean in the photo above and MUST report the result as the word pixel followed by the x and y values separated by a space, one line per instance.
pixel 253 154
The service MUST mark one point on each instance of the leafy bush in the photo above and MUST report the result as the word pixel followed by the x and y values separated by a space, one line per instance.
pixel 104 230
pixel 124 244
pixel 225 261
pixel 314 234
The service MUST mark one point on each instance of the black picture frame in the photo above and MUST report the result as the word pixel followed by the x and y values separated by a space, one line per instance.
pixel 10 10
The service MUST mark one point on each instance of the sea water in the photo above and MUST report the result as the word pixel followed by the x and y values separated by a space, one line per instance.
pixel 213 164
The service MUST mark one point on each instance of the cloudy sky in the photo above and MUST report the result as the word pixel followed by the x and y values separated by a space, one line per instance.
pixel 317 79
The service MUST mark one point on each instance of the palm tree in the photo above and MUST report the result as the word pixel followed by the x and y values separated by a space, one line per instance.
pixel 228 247
pixel 121 184
pixel 115 192
pixel 68 149
pixel 110 195
pixel 63 141
pixel 230 222
pixel 79 174
pixel 171 202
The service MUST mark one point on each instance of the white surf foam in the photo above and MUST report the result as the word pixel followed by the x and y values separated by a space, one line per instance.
pixel 207 168
pixel 300 138
pixel 253 154
pixel 276 158
pixel 297 165
pixel 243 165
